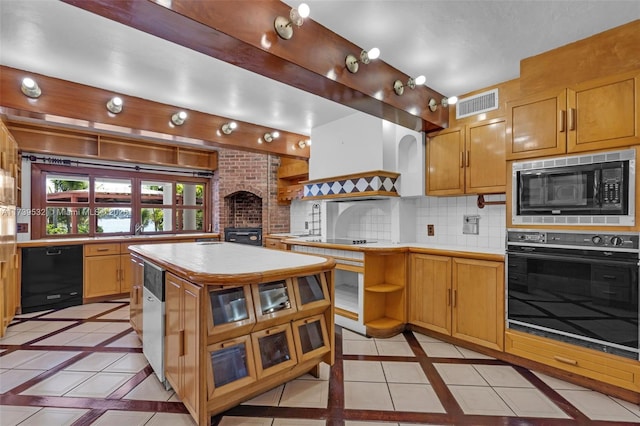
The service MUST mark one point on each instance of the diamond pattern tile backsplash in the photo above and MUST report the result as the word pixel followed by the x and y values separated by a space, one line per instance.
pixel 355 186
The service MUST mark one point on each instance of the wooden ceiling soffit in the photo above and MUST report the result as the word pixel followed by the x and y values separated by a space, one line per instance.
pixel 74 105
pixel 242 34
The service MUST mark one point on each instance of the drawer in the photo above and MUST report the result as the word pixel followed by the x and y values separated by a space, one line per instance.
pixel 585 362
pixel 273 243
pixel 102 249
pixel 609 275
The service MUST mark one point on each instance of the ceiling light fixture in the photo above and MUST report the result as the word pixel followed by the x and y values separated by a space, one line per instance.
pixel 30 88
pixel 115 105
pixel 445 102
pixel 178 118
pixel 284 26
pixel 398 86
pixel 365 57
pixel 302 144
pixel 269 137
pixel 228 128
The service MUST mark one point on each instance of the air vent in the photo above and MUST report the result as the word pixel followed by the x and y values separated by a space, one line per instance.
pixel 476 104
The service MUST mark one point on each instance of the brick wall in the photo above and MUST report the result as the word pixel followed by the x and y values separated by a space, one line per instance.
pixel 254 173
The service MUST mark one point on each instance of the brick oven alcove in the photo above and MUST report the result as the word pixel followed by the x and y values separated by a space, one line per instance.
pixel 243 210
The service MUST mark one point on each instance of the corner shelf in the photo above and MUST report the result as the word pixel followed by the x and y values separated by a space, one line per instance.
pixel 385 288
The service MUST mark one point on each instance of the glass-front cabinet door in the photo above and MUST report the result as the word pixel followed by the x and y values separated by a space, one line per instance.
pixel 274 302
pixel 274 350
pixel 231 366
pixel 311 337
pixel 312 295
pixel 230 311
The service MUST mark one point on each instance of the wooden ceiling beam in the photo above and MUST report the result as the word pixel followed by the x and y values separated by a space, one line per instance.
pixel 73 105
pixel 313 60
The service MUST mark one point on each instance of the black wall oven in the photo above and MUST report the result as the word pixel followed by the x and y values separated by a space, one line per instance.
pixel 575 287
pixel 592 189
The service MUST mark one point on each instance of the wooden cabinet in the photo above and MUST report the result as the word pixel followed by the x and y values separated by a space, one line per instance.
pixel 467 160
pixel 384 294
pixel 274 350
pixel 290 173
pixel 106 271
pixel 274 243
pixel 460 297
pixel 598 114
pixel 600 366
pixel 183 340
pixel 137 290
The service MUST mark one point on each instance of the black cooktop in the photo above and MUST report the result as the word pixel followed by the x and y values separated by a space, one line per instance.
pixel 348 241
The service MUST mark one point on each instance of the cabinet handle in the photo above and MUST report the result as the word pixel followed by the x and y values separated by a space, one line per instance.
pixel 271 330
pixel 461 159
pixel 229 343
pixel 609 277
pixel 572 118
pixel 455 297
pixel 181 343
pixel 467 158
pixel 565 360
pixel 102 249
pixel 561 119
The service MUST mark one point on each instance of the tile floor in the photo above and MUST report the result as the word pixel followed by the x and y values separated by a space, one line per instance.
pixel 84 366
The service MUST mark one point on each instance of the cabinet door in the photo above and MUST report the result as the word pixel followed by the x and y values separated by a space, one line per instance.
pixel 173 331
pixel 230 312
pixel 191 354
pixel 538 126
pixel 101 275
pixel 604 113
pixel 273 350
pixel 445 163
pixel 230 366
pixel 311 338
pixel 125 273
pixel 485 161
pixel 478 302
pixel 430 292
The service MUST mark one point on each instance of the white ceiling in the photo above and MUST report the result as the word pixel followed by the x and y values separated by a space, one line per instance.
pixel 459 46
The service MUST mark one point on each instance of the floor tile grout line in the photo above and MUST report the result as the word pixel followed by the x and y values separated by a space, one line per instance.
pixel 46 374
pixel 91 403
pixel 555 397
pixel 114 338
pixel 448 401
pixel 124 389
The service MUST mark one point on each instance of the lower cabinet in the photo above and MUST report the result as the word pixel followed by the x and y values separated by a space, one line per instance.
pixel 460 297
pixel 137 290
pixel 182 340
pixel 106 270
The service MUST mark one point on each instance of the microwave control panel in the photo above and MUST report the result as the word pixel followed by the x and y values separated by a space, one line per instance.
pixel 612 186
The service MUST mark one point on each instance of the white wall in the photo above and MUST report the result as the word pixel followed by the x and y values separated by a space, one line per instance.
pixel 349 145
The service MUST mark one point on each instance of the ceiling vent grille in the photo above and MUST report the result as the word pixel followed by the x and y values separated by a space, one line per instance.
pixel 476 104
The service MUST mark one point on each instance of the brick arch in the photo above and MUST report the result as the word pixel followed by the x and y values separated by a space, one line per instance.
pixel 244 188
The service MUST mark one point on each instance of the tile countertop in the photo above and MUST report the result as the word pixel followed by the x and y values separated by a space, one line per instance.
pixel 220 262
pixel 386 245
pixel 112 239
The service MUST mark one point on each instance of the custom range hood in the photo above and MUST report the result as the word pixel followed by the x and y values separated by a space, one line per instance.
pixel 363 157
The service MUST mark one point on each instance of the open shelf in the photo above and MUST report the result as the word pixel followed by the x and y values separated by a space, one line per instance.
pixel 384 288
pixel 384 323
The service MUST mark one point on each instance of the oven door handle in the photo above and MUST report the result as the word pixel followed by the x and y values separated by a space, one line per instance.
pixel 596 188
pixel 563 257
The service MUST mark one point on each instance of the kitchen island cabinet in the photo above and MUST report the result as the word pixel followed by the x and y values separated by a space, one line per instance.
pixel 240 320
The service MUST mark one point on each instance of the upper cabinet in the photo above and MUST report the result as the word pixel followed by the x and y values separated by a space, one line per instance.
pixel 290 173
pixel 467 160
pixel 594 115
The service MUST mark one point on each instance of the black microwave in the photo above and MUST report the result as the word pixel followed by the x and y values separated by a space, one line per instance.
pixel 594 189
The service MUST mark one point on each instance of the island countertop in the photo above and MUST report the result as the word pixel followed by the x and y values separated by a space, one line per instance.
pixel 229 263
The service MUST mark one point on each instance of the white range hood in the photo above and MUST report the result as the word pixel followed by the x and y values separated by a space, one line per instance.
pixel 361 156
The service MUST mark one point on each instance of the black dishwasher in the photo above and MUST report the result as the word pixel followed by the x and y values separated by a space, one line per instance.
pixel 51 277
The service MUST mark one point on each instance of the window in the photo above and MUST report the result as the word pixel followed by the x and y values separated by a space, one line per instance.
pixel 93 202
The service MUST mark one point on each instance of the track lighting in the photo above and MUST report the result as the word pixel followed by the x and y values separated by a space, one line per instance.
pixel 269 137
pixel 365 57
pixel 284 26
pixel 115 105
pixel 445 102
pixel 398 86
pixel 178 118
pixel 30 88
pixel 228 128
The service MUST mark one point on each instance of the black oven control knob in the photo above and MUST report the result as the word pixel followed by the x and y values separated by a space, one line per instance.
pixel 597 240
pixel 616 241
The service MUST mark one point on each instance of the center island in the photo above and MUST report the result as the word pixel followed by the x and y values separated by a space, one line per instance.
pixel 239 319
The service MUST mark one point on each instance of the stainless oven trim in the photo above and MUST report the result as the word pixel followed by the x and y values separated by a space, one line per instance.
pixel 576 160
